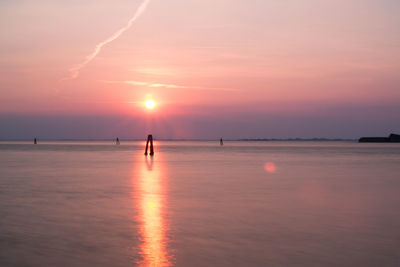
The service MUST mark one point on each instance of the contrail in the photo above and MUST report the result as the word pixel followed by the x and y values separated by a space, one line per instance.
pixel 74 71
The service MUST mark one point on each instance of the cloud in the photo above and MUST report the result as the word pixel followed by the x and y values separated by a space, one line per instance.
pixel 74 70
pixel 171 86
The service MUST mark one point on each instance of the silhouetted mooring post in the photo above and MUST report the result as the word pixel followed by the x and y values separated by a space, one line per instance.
pixel 35 141
pixel 149 139
pixel 221 142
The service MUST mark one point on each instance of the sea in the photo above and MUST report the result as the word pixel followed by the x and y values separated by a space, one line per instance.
pixel 197 203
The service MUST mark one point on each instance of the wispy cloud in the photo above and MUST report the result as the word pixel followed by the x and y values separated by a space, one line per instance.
pixel 171 86
pixel 74 70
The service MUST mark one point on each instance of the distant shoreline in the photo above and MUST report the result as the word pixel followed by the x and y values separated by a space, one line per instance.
pixel 300 139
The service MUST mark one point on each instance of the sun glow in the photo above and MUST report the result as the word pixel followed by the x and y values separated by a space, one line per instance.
pixel 150 104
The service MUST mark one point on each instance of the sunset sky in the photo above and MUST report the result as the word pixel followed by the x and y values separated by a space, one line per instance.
pixel 231 68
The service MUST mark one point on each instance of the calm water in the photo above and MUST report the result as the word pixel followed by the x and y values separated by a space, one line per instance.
pixel 199 204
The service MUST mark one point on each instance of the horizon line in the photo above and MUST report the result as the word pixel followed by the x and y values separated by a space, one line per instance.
pixel 321 139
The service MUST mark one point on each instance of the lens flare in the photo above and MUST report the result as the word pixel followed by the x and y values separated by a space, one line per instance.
pixel 270 167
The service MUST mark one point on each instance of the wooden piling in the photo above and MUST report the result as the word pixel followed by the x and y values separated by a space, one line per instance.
pixel 149 140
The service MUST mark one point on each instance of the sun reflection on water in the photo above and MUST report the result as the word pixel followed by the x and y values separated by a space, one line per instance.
pixel 151 206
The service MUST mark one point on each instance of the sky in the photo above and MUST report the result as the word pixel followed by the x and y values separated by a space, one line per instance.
pixel 230 68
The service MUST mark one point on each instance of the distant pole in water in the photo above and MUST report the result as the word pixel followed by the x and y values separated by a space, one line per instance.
pixel 117 141
pixel 221 142
pixel 149 139
pixel 35 141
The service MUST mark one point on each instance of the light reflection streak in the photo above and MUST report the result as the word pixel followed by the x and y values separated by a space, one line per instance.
pixel 151 205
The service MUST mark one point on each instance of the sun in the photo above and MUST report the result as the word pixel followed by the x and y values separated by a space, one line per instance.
pixel 150 104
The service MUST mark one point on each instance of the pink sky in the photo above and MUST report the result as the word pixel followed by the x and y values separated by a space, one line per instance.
pixel 202 57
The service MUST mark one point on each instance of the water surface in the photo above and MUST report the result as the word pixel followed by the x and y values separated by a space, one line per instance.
pixel 199 204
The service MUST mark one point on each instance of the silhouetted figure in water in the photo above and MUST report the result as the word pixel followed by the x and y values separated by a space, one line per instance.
pixel 221 142
pixel 35 141
pixel 149 140
pixel 117 141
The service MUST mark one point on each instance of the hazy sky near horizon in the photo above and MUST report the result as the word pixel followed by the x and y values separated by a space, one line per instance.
pixel 259 68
